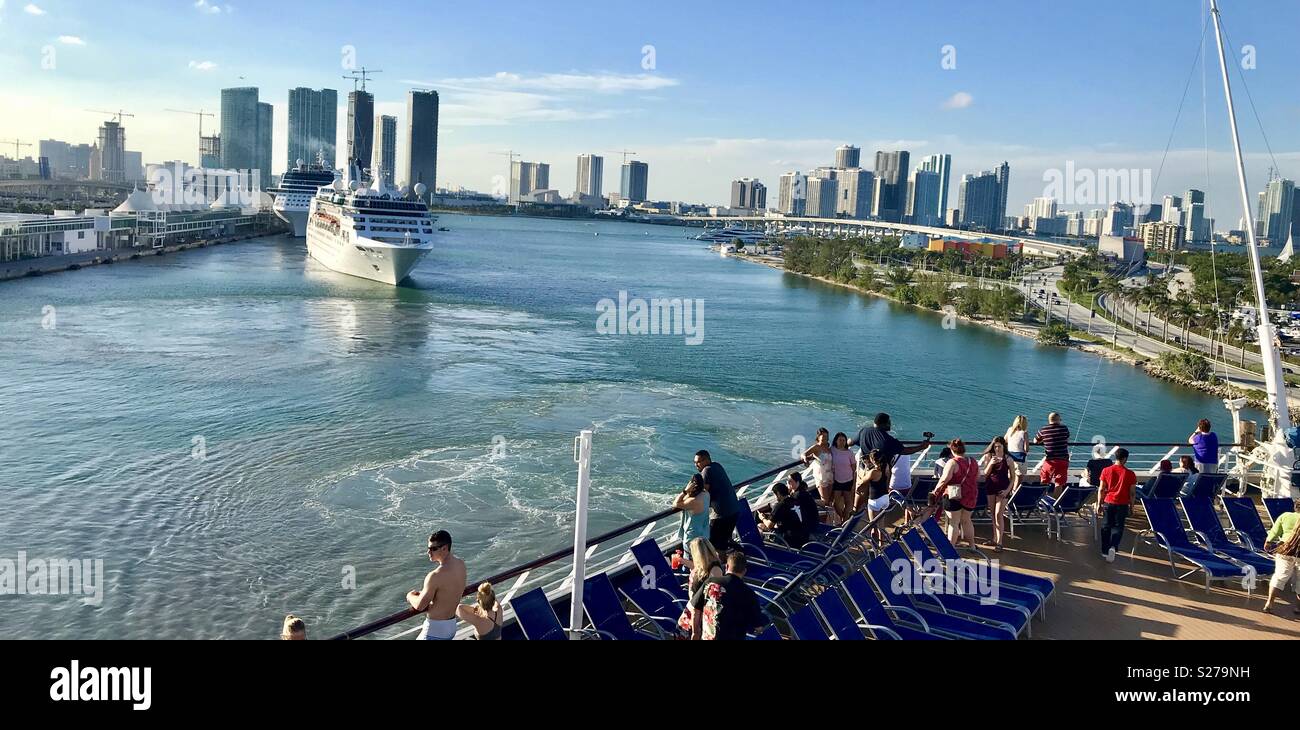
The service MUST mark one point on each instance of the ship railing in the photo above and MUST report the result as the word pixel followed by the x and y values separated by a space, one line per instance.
pixel 609 551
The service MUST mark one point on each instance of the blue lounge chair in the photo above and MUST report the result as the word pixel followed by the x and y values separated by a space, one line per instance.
pixel 601 603
pixel 1007 594
pixel 936 592
pixel 1162 486
pixel 1244 516
pixel 1278 506
pixel 1203 485
pixel 911 626
pixel 1168 529
pixel 780 559
pixel 919 495
pixel 656 571
pixel 946 550
pixel 1072 501
pixel 767 633
pixel 1025 506
pixel 536 618
pixel 938 619
pixel 836 614
pixel 1205 521
pixel 806 626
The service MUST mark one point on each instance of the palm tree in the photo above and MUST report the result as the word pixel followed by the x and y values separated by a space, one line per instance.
pixel 1165 307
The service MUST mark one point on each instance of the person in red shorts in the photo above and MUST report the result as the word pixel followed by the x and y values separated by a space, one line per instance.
pixel 1055 438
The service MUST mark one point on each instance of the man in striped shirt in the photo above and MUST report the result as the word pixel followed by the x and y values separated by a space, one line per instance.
pixel 1054 437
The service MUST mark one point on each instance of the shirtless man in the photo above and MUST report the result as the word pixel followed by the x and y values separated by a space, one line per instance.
pixel 443 588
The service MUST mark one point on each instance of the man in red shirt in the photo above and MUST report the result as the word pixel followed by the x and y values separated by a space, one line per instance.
pixel 1114 500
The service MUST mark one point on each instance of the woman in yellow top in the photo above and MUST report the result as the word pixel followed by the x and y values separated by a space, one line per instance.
pixel 1283 542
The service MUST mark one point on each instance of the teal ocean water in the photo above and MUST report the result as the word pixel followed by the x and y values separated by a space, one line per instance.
pixel 340 421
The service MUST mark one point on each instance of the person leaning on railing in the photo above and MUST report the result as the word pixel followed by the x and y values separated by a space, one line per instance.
pixel 1283 541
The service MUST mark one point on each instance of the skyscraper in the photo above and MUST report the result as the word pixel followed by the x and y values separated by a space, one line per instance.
pixel 821 198
pixel 890 201
pixel 978 198
pixel 1004 182
pixel 265 123
pixel 361 129
pixel 384 165
pixel 748 194
pixel 847 155
pixel 792 193
pixel 636 181
pixel 313 125
pixel 111 153
pixel 1273 219
pixel 527 177
pixel 421 163
pixel 591 171
pixel 239 117
pixel 210 152
pixel 923 198
pixel 942 165
pixel 854 187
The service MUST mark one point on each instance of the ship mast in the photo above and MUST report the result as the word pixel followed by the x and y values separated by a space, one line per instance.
pixel 1268 353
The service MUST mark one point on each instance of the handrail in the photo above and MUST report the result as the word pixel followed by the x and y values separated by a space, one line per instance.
pixel 472 586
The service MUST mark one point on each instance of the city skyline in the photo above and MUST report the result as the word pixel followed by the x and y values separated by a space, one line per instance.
pixel 537 98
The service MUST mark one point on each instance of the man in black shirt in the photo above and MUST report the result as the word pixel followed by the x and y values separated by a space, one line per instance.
pixel 877 436
pixel 785 518
pixel 722 500
pixel 726 609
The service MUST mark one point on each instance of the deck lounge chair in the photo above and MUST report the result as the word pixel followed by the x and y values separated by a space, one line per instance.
pixel 806 626
pixel 1168 530
pixel 1072 501
pixel 941 595
pixel 937 618
pixel 1278 506
pixel 1203 485
pixel 605 610
pixel 863 597
pixel 767 633
pixel 842 624
pixel 1244 516
pixel 1007 594
pixel 536 617
pixel 773 557
pixel 946 550
pixel 1025 507
pixel 656 570
pixel 1162 486
pixel 1205 521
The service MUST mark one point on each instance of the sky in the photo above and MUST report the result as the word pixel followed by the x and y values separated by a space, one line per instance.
pixel 702 92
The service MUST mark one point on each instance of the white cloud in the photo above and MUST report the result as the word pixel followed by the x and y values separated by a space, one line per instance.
pixel 202 65
pixel 205 7
pixel 603 83
pixel 71 40
pixel 960 100
pixel 32 9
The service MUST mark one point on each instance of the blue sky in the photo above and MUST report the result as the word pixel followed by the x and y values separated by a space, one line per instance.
pixel 736 89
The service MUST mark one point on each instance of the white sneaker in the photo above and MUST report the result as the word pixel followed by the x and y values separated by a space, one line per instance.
pixel 1110 555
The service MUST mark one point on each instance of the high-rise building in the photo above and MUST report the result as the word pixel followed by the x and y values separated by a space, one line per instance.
pixel 821 198
pixel 846 155
pixel 1273 218
pixel 591 171
pixel 132 167
pixel 748 194
pixel 1295 214
pixel 1162 236
pixel 111 153
pixel 923 192
pixel 66 160
pixel 978 200
pixel 942 165
pixel 421 161
pixel 1119 219
pixel 384 164
pixel 1004 183
pixel 855 187
pixel 210 152
pixel 265 124
pixel 636 181
pixel 239 120
pixel 528 177
pixel 1172 209
pixel 890 194
pixel 313 125
pixel 792 193
pixel 361 127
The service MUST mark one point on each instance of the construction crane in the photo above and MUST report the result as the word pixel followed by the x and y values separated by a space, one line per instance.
pixel 17 143
pixel 361 76
pixel 623 152
pixel 118 113
pixel 200 114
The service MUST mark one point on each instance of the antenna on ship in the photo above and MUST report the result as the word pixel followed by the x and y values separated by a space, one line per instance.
pixel 1279 457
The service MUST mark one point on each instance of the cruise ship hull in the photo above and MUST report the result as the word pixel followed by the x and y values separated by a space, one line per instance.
pixel 297 219
pixel 382 262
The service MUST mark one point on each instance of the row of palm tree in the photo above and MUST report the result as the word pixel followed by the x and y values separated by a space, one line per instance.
pixel 1180 308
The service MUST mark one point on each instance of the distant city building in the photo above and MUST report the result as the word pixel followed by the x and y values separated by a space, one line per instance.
pixel 1003 174
pixel 848 156
pixel 67 160
pixel 890 194
pixel 821 198
pixel 210 152
pixel 1172 209
pixel 313 125
pixel 239 129
pixel 1275 213
pixel 923 192
pixel 420 164
pixel 1162 236
pixel 978 199
pixel 132 167
pixel 855 188
pixel 591 173
pixel 361 129
pixel 1295 214
pixel 526 178
pixel 748 194
pixel 792 193
pixel 265 125
pixel 1042 208
pixel 111 153
pixel 1118 221
pixel 942 166
pixel 636 181
pixel 384 164
pixel 1124 248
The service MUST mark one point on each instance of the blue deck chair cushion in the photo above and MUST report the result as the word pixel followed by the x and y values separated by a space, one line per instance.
pixel 1169 528
pixel 1031 601
pixel 837 616
pixel 535 616
pixel 882 575
pixel 1203 485
pixel 656 568
pixel 1277 506
pixel 1205 521
pixel 947 551
pixel 1244 516
pixel 864 598
pixel 806 626
pixel 605 610
pixel 1014 616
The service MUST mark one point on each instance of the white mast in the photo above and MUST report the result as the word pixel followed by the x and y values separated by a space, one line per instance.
pixel 1267 349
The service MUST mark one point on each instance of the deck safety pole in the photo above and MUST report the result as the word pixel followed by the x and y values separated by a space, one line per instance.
pixel 582 455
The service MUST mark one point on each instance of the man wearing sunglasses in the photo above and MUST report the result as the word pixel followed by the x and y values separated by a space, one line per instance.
pixel 442 591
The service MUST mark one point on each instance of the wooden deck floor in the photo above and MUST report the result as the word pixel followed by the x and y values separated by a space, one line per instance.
pixel 1139 598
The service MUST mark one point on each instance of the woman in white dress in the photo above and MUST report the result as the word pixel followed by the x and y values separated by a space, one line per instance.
pixel 819 454
pixel 1017 437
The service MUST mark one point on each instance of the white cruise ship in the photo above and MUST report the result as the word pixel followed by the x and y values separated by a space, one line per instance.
pixel 293 197
pixel 375 233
